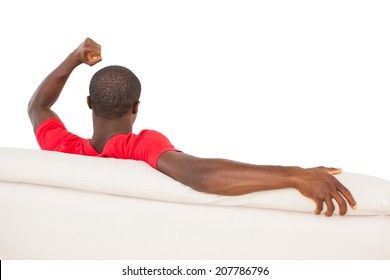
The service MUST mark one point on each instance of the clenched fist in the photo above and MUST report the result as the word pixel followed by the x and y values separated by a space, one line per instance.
pixel 89 52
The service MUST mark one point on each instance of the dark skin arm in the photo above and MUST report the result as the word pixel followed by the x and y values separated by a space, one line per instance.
pixel 39 107
pixel 225 177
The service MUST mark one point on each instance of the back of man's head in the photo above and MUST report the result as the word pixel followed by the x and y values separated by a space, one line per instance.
pixel 114 90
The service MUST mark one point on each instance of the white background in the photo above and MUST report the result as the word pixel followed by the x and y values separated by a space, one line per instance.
pixel 268 82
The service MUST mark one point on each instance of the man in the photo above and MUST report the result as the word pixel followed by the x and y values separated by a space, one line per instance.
pixel 114 100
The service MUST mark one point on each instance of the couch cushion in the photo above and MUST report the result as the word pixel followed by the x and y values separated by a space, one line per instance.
pixel 137 179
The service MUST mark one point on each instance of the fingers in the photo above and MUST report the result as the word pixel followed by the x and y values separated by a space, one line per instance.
pixel 320 206
pixel 330 207
pixel 93 58
pixel 340 194
pixel 89 52
pixel 341 189
pixel 92 52
pixel 341 201
pixel 346 193
pixel 342 204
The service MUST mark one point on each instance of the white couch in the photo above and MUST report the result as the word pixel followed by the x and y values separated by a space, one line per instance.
pixel 61 206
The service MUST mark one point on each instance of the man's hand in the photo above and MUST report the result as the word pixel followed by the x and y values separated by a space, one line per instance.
pixel 89 52
pixel 319 185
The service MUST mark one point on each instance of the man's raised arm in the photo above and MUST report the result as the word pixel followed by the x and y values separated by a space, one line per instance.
pixel 39 107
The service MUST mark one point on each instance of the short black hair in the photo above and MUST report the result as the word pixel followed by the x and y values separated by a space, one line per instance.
pixel 113 91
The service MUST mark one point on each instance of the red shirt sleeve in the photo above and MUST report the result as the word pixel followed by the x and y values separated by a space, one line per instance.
pixel 150 145
pixel 53 136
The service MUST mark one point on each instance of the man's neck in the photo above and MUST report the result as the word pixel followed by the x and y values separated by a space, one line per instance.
pixel 104 129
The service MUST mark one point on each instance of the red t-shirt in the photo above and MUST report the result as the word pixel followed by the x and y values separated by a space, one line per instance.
pixel 147 146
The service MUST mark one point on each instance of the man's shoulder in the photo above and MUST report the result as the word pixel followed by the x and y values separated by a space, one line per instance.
pixel 53 135
pixel 50 123
pixel 150 134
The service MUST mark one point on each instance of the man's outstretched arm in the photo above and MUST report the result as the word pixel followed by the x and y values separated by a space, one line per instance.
pixel 225 177
pixel 39 107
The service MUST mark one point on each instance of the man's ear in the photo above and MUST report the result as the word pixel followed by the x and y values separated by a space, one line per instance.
pixel 135 108
pixel 89 102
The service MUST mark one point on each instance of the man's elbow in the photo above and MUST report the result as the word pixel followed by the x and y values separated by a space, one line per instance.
pixel 30 108
pixel 38 113
pixel 198 173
